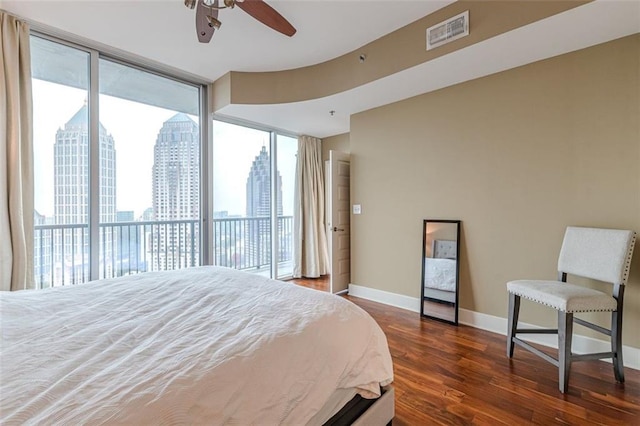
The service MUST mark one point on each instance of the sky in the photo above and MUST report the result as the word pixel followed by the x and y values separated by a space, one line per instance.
pixel 231 165
pixel 134 127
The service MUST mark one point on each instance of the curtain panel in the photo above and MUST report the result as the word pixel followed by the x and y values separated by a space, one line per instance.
pixel 16 156
pixel 310 252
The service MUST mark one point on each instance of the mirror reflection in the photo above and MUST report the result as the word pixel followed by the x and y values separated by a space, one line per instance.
pixel 440 255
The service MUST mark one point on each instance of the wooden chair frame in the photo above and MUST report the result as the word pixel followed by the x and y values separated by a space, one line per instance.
pixel 566 318
pixel 565 335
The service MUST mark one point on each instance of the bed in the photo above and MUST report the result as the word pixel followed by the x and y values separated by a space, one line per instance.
pixel 440 272
pixel 205 345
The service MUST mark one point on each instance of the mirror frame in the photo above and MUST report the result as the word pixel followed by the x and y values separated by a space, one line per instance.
pixel 458 224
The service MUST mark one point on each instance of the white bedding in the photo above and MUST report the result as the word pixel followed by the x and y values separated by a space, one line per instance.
pixel 203 345
pixel 440 274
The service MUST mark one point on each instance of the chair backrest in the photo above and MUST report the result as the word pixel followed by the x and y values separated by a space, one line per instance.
pixel 600 254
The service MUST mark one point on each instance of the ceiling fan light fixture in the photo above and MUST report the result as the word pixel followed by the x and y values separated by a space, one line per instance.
pixel 213 22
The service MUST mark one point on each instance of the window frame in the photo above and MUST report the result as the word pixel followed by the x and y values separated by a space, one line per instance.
pixel 96 53
pixel 206 115
pixel 273 155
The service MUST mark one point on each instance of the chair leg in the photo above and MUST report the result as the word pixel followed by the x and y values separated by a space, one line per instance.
pixel 616 346
pixel 565 332
pixel 514 310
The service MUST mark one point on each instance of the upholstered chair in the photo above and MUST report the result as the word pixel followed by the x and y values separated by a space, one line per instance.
pixel 599 254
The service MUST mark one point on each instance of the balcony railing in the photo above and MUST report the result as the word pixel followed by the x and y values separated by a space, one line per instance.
pixel 61 252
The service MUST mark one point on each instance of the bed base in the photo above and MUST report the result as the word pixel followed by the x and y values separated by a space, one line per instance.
pixel 366 412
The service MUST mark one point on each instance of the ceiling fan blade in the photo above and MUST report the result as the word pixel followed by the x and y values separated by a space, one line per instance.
pixel 267 15
pixel 203 29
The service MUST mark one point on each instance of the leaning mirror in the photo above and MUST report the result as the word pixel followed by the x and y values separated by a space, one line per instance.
pixel 440 270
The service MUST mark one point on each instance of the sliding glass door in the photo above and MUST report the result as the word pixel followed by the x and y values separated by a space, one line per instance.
pixel 241 198
pixel 253 207
pixel 117 167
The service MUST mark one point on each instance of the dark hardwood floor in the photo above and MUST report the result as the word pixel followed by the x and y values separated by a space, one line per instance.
pixel 461 375
pixel 321 284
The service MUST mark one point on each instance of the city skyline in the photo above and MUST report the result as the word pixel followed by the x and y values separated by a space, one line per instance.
pixel 63 254
pixel 134 127
pixel 145 179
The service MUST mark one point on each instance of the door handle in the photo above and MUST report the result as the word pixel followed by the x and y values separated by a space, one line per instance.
pixel 336 229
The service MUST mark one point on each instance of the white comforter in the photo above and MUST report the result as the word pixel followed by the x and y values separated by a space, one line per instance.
pixel 203 345
pixel 440 274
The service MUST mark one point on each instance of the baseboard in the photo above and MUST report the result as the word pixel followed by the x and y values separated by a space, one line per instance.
pixel 392 299
pixel 581 344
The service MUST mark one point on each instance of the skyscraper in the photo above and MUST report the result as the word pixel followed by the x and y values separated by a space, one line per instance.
pixel 71 198
pixel 176 193
pixel 259 187
pixel 42 250
pixel 258 208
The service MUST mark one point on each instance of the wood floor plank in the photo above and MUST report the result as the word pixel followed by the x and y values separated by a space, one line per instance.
pixel 448 375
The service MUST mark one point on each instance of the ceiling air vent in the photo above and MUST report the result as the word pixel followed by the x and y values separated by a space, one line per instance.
pixel 449 30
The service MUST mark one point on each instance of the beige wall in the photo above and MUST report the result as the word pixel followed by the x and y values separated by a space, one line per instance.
pixel 516 156
pixel 399 50
pixel 335 143
pixel 438 231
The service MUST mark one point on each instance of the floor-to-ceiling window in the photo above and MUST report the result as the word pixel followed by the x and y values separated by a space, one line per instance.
pixel 61 162
pixel 149 171
pixel 117 167
pixel 119 171
pixel 253 207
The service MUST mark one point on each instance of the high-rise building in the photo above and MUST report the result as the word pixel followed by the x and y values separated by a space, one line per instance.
pixel 42 250
pixel 71 198
pixel 258 208
pixel 259 187
pixel 176 194
pixel 124 216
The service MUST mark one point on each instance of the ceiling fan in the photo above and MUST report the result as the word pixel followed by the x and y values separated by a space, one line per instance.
pixel 207 16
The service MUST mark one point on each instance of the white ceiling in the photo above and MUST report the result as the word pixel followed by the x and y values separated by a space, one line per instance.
pixel 163 31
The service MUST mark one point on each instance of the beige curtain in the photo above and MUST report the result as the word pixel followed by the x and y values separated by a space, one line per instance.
pixel 310 253
pixel 16 156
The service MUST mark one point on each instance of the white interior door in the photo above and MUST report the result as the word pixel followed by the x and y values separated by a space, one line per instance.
pixel 339 221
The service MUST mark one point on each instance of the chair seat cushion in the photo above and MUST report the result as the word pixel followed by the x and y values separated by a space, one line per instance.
pixel 564 297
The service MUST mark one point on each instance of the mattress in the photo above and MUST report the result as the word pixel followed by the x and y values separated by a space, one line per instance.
pixel 440 274
pixel 202 345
